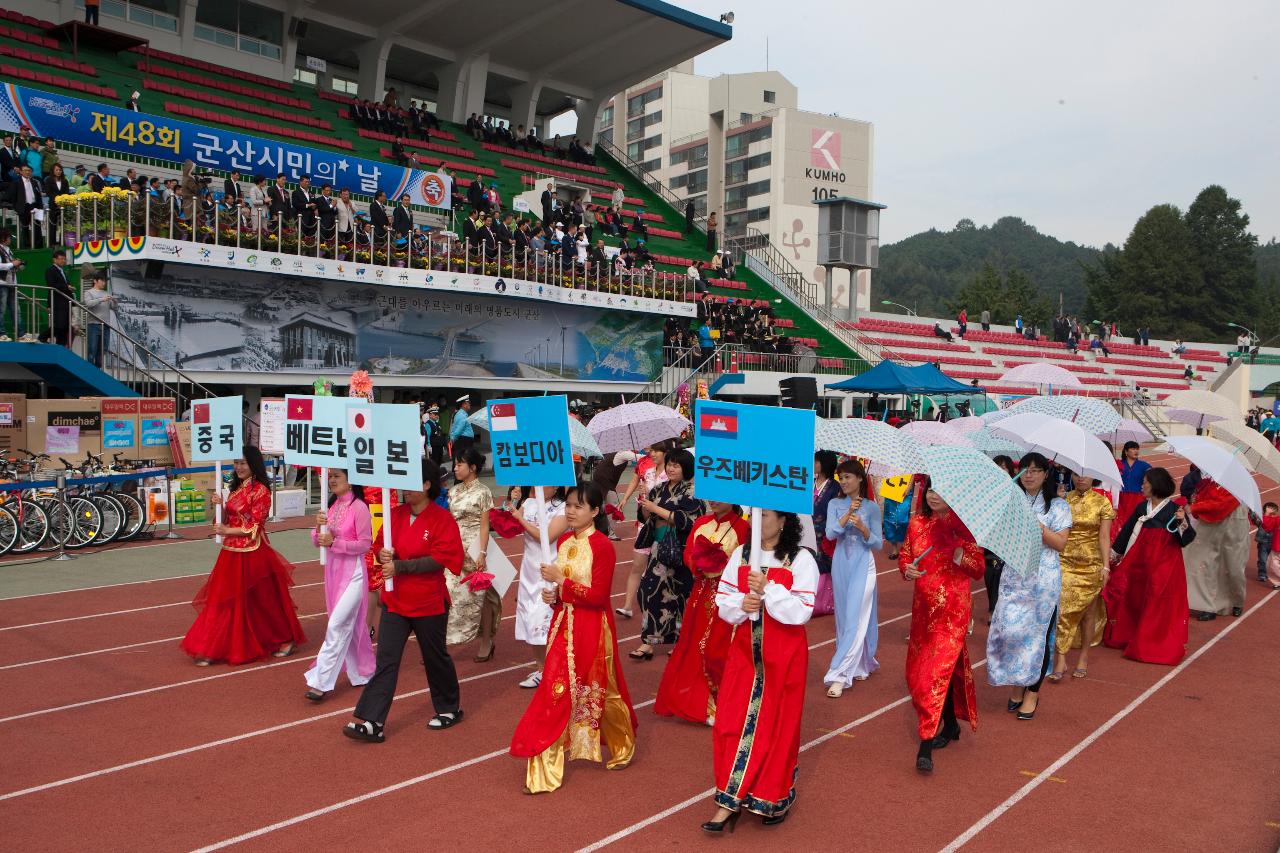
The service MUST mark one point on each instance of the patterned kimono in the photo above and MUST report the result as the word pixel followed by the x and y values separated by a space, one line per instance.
pixel 692 677
pixel 1082 570
pixel 1019 644
pixel 582 702
pixel 937 657
pixel 469 503
pixel 756 737
pixel 666 584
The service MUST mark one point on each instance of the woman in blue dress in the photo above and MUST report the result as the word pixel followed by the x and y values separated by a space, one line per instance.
pixel 853 521
pixel 1020 643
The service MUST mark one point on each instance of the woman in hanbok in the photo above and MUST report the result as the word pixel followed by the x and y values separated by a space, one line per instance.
pixel 756 736
pixel 941 557
pixel 669 511
pixel 472 613
pixel 1215 580
pixel 1132 470
pixel 245 610
pixel 692 677
pixel 1146 593
pixel 582 703
pixel 1085 560
pixel 347 538
pixel 824 491
pixel 533 615
pixel 651 472
pixel 853 521
pixel 1020 642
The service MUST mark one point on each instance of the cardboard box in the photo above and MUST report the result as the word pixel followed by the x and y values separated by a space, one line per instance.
pixel 66 429
pixel 290 503
pixel 154 416
pixel 13 422
pixel 119 427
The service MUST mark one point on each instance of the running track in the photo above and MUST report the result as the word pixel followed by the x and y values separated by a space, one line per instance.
pixel 113 740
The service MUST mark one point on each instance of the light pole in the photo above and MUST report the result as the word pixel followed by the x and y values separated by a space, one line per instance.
pixel 1252 336
pixel 899 305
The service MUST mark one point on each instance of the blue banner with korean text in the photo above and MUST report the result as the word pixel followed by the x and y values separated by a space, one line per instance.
pixel 530 438
pixel 315 431
pixel 384 445
pixel 131 134
pixel 757 456
pixel 217 429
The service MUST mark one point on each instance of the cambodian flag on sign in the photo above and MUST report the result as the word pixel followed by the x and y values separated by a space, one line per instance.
pixel 720 423
pixel 502 417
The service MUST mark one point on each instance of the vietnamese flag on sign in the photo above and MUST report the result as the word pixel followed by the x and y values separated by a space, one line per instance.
pixel 502 417
pixel 200 413
pixel 299 409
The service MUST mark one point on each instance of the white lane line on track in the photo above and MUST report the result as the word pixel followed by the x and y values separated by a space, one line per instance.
pixel 118 648
pixel 462 765
pixel 1020 794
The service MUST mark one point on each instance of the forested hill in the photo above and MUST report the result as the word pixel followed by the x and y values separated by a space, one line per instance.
pixel 924 271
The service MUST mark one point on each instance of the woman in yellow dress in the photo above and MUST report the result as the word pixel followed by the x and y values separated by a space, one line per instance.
pixel 477 613
pixel 1081 615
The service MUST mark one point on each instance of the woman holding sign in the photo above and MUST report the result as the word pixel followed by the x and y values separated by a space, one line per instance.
pixel 756 737
pixel 582 703
pixel 473 612
pixel 853 521
pixel 347 537
pixel 940 556
pixel 669 515
pixel 246 611
pixel 533 615
pixel 692 677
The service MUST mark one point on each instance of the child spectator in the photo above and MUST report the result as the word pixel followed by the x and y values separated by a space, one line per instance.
pixel 1268 559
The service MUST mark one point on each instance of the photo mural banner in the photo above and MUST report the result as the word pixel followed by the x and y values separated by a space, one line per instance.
pixel 218 319
pixel 132 134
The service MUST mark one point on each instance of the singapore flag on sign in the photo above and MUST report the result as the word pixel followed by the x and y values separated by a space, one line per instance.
pixel 502 417
pixel 359 420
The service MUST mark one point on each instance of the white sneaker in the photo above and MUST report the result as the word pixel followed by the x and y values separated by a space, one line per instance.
pixel 28 338
pixel 532 681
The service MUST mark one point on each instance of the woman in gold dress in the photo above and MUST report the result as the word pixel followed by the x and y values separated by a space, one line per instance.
pixel 472 614
pixel 1081 615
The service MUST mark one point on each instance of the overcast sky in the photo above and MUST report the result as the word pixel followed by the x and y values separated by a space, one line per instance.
pixel 1077 117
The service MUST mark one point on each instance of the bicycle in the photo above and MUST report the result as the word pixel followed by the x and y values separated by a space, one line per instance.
pixel 133 515
pixel 97 518
pixel 28 511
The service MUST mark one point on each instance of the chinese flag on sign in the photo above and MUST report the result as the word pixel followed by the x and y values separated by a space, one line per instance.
pixel 299 410
pixel 502 417
pixel 200 413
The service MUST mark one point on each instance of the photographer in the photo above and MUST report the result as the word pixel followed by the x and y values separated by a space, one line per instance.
pixel 9 268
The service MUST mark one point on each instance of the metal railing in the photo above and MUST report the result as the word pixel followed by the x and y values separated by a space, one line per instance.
pixel 651 182
pixel 685 367
pixel 245 227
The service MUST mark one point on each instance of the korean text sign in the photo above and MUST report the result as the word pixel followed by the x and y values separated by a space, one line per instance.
pixel 217 429
pixel 315 431
pixel 377 444
pixel 758 456
pixel 530 438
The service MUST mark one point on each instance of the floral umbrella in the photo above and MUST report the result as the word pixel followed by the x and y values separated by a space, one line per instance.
pixel 937 432
pixel 1093 416
pixel 1040 373
pixel 994 445
pixel 888 448
pixel 967 424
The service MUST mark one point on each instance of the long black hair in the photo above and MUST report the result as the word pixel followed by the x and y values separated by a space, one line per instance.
pixel 1049 488
pixel 252 457
pixel 788 539
pixel 593 496
pixel 356 491
pixel 853 466
pixel 472 457
pixel 926 484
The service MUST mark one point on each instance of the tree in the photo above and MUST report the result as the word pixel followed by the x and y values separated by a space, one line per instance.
pixel 1225 250
pixel 983 291
pixel 1021 296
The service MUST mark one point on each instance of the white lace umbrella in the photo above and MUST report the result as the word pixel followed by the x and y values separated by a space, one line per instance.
pixel 995 445
pixel 936 433
pixel 1093 416
pixel 1040 373
pixel 580 439
pixel 1223 464
pixel 967 424
pixel 1200 408
pixel 989 503
pixel 1063 443
pixel 1129 430
pixel 1257 452
pixel 635 426
pixel 888 448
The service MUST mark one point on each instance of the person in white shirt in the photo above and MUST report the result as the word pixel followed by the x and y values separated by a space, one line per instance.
pixel 100 304
pixel 9 268
pixel 346 214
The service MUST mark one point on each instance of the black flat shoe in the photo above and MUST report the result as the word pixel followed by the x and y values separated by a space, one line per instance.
pixel 776 819
pixel 1236 611
pixel 716 827
pixel 924 763
pixel 1027 715
pixel 313 695
pixel 945 737
pixel 1206 617
pixel 1014 705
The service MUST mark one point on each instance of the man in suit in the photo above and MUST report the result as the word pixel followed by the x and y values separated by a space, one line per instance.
pixel 60 293
pixel 476 196
pixel 402 217
pixel 303 206
pixel 100 179
pixel 28 202
pixel 127 182
pixel 471 229
pixel 327 211
pixel 9 268
pixel 231 188
pixel 378 216
pixel 488 238
pixel 502 231
pixel 278 204
pixel 8 159
pixel 548 196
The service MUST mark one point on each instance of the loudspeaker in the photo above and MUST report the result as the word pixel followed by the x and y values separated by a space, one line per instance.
pixel 799 392
pixel 153 269
pixel 298 28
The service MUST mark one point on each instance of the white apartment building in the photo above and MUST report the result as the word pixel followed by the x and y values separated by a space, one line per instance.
pixel 739 145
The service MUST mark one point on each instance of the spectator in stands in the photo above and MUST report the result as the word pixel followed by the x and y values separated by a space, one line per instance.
pixel 345 215
pixel 1073 343
pixel 1146 336
pixel 28 203
pixel 77 178
pixel 598 259
pixel 256 201
pixel 494 199
pixel 488 237
pixel 589 221
pixel 99 181
pixel 1189 373
pixel 91 12
pixel 399 155
pixel 379 217
pixel 706 341
pixel 689 211
pixel 9 155
pixel 711 232
pixel 618 197
pixel 55 185
pixel 132 104
pixel 231 187
pixel 962 321
pixel 986 320
pixel 1243 342
pixel 475 128
pixel 279 204
pixel 477 197
pixel 1017 324
pixel 304 206
pixel 49 157
pixel 60 296
pixel 10 266
pixel 1179 347
pixel 638 226
pixel 695 277
pixel 402 217
pixel 99 304
pixel 504 236
pixel 939 332
pixel 548 202
pixel 521 236
pixel 130 177
pixel 1096 344
pixel 326 212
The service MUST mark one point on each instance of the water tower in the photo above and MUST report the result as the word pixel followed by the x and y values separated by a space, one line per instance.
pixel 849 238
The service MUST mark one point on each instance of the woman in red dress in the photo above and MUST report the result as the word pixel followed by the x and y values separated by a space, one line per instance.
pixel 942 559
pixel 756 737
pixel 692 677
pixel 1146 593
pixel 245 610
pixel 582 702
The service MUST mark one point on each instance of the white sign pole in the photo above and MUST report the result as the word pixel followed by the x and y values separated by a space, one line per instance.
pixel 324 507
pixel 544 539
pixel 756 559
pixel 386 531
pixel 217 488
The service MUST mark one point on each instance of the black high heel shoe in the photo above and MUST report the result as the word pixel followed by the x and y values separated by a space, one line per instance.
pixel 715 827
pixel 1030 715
pixel 775 819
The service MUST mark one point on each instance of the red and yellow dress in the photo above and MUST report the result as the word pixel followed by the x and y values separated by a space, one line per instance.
pixel 582 701
pixel 245 610
pixel 692 677
pixel 937 657
pixel 756 737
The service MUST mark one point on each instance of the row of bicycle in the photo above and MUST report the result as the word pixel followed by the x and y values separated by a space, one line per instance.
pixel 40 519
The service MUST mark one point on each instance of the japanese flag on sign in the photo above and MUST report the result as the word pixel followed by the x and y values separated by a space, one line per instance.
pixel 502 417
pixel 359 420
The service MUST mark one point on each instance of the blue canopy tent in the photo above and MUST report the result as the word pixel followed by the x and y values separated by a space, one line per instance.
pixel 889 377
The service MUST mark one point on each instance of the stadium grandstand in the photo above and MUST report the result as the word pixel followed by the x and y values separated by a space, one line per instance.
pixel 299 191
